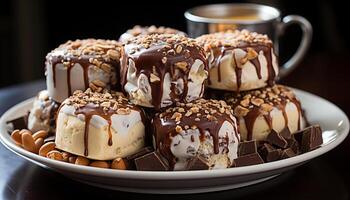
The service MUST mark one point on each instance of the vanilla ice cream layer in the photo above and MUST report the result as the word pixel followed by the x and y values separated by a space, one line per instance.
pixel 228 73
pixel 140 91
pixel 62 81
pixel 188 144
pixel 292 118
pixel 127 134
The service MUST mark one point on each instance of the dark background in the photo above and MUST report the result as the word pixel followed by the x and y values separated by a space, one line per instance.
pixel 31 28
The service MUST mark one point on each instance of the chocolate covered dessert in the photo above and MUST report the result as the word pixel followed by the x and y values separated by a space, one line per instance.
pixel 239 60
pixel 42 114
pixel 79 64
pixel 100 126
pixel 204 128
pixel 148 30
pixel 263 110
pixel 159 70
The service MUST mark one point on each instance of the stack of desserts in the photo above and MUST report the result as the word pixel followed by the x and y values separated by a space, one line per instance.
pixel 158 100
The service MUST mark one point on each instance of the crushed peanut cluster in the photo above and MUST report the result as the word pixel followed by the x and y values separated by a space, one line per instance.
pixel 232 39
pixel 98 52
pixel 196 111
pixel 169 43
pixel 149 30
pixel 264 98
pixel 107 100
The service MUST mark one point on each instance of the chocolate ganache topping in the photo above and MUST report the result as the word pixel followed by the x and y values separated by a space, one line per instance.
pixel 160 54
pixel 205 115
pixel 104 104
pixel 104 54
pixel 252 104
pixel 218 44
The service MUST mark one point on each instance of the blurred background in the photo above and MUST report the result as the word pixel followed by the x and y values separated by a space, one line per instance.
pixel 30 29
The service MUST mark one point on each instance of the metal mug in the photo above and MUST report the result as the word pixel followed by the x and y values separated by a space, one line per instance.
pixel 253 17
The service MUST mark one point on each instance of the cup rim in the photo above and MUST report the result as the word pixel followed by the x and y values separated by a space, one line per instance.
pixel 189 14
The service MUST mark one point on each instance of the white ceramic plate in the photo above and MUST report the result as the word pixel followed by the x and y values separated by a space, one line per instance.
pixel 333 121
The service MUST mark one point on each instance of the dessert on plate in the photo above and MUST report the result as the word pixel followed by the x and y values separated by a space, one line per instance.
pixel 239 60
pixel 105 102
pixel 205 128
pixel 80 64
pixel 100 126
pixel 161 69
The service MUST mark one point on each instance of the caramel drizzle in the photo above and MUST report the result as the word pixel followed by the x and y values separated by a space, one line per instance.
pixel 164 130
pixel 220 52
pixel 147 59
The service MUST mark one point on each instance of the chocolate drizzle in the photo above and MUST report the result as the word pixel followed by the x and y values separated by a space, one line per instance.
pixel 220 52
pixel 208 120
pixel 167 54
pixel 252 104
pixel 103 105
pixel 89 111
pixel 85 53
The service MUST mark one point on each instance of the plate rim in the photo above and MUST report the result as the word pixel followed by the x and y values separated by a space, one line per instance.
pixel 173 175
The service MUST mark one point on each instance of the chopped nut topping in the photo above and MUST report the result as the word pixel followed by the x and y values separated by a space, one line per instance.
pixel 240 111
pixel 178 129
pixel 181 65
pixel 154 78
pixel 257 101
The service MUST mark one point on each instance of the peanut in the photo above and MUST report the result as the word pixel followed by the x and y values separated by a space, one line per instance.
pixel 118 163
pixel 40 134
pixel 38 143
pixel 46 148
pixel 100 164
pixel 16 137
pixel 82 161
pixel 55 155
pixel 28 142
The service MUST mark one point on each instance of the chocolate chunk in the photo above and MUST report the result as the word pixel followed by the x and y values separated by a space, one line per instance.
pixel 269 153
pixel 288 153
pixel 130 160
pixel 294 145
pixel 312 138
pixel 251 159
pixel 285 133
pixel 19 123
pixel 276 139
pixel 151 162
pixel 247 147
pixel 198 163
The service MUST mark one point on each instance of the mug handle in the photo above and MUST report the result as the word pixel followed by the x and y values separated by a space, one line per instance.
pixel 306 28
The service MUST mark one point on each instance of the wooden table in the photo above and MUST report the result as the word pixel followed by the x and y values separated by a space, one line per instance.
pixel 326 177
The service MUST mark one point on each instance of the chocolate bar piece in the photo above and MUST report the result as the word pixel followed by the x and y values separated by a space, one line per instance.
pixel 130 160
pixel 247 147
pixel 312 138
pixel 198 163
pixel 276 139
pixel 294 145
pixel 269 153
pixel 251 159
pixel 151 162
pixel 288 153
pixel 285 133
